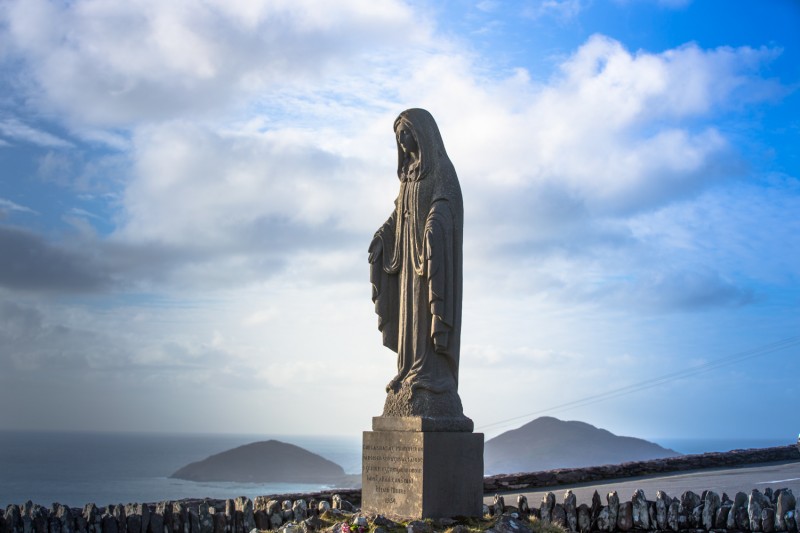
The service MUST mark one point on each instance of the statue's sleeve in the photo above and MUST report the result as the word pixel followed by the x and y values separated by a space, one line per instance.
pixel 385 288
pixel 439 255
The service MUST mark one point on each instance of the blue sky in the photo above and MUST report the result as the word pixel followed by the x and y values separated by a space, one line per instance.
pixel 188 189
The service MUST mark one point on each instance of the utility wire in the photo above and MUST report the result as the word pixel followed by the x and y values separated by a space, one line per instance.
pixel 649 383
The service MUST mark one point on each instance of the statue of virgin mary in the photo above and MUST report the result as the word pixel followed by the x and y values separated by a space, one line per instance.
pixel 416 274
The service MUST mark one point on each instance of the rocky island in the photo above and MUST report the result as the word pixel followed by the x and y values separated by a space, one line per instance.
pixel 269 461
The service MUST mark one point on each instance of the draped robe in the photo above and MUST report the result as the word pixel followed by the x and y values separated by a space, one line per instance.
pixel 416 265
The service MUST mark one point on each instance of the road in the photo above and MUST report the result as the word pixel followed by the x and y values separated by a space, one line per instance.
pixel 729 480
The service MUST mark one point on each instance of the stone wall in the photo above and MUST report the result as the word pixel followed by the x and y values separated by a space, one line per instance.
pixel 239 515
pixel 766 512
pixel 572 476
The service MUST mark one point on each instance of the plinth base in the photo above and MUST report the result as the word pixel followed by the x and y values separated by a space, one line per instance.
pixel 422 474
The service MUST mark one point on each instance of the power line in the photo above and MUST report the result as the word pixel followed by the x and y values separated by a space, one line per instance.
pixel 649 383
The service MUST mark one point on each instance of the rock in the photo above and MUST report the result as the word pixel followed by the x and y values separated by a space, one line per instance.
pixel 275 520
pixel 382 521
pixel 710 507
pixel 625 516
pixel 584 518
pixel 220 524
pixel 768 494
pixel 180 520
pixel 784 502
pixel 165 510
pixel 499 505
pixel 108 523
pixel 546 507
pixel 522 505
pixel 509 524
pixel 323 506
pixel 312 523
pixel 341 503
pixel 300 510
pixel 662 505
pixel 118 512
pixel 194 520
pixel 674 515
pixel 290 528
pixel 739 501
pixel 755 504
pixel 133 518
pixel 791 521
pixel 743 519
pixel 570 510
pixel 25 513
pixel 90 513
pixel 696 517
pixel 486 510
pixel 39 519
pixel 157 522
pixel 768 520
pixel 418 526
pixel 602 522
pixel 597 505
pixel 689 502
pixel 559 517
pixel 244 505
pixel 651 510
pixel 203 518
pixel 144 510
pixel 613 509
pixel 640 512
pixel 721 518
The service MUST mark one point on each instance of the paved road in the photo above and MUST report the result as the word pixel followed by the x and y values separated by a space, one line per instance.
pixel 730 480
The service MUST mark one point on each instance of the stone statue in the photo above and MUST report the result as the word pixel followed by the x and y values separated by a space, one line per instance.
pixel 416 274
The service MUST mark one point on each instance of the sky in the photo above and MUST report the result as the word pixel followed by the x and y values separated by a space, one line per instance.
pixel 188 190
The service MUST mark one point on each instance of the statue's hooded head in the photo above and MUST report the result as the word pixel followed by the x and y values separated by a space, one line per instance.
pixel 428 140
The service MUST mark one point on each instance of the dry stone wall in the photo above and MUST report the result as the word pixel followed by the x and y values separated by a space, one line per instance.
pixel 709 512
pixel 240 515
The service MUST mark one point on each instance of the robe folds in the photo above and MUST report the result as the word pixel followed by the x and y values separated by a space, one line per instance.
pixel 416 265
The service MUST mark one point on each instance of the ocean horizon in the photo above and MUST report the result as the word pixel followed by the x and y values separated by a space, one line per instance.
pixel 76 468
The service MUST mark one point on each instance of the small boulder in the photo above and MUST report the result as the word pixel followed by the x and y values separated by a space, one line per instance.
pixel 509 524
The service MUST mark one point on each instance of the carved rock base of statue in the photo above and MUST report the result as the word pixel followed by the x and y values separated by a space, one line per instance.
pixel 434 412
pixel 422 474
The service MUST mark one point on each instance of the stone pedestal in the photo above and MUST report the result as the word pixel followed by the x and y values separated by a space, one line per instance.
pixel 414 473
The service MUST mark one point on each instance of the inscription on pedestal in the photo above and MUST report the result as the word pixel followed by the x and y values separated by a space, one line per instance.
pixel 392 470
pixel 422 474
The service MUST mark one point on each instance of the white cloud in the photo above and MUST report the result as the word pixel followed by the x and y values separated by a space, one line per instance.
pixel 7 205
pixel 15 129
pixel 559 9
pixel 109 63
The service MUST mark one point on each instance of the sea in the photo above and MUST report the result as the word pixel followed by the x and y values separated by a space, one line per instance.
pixel 75 468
